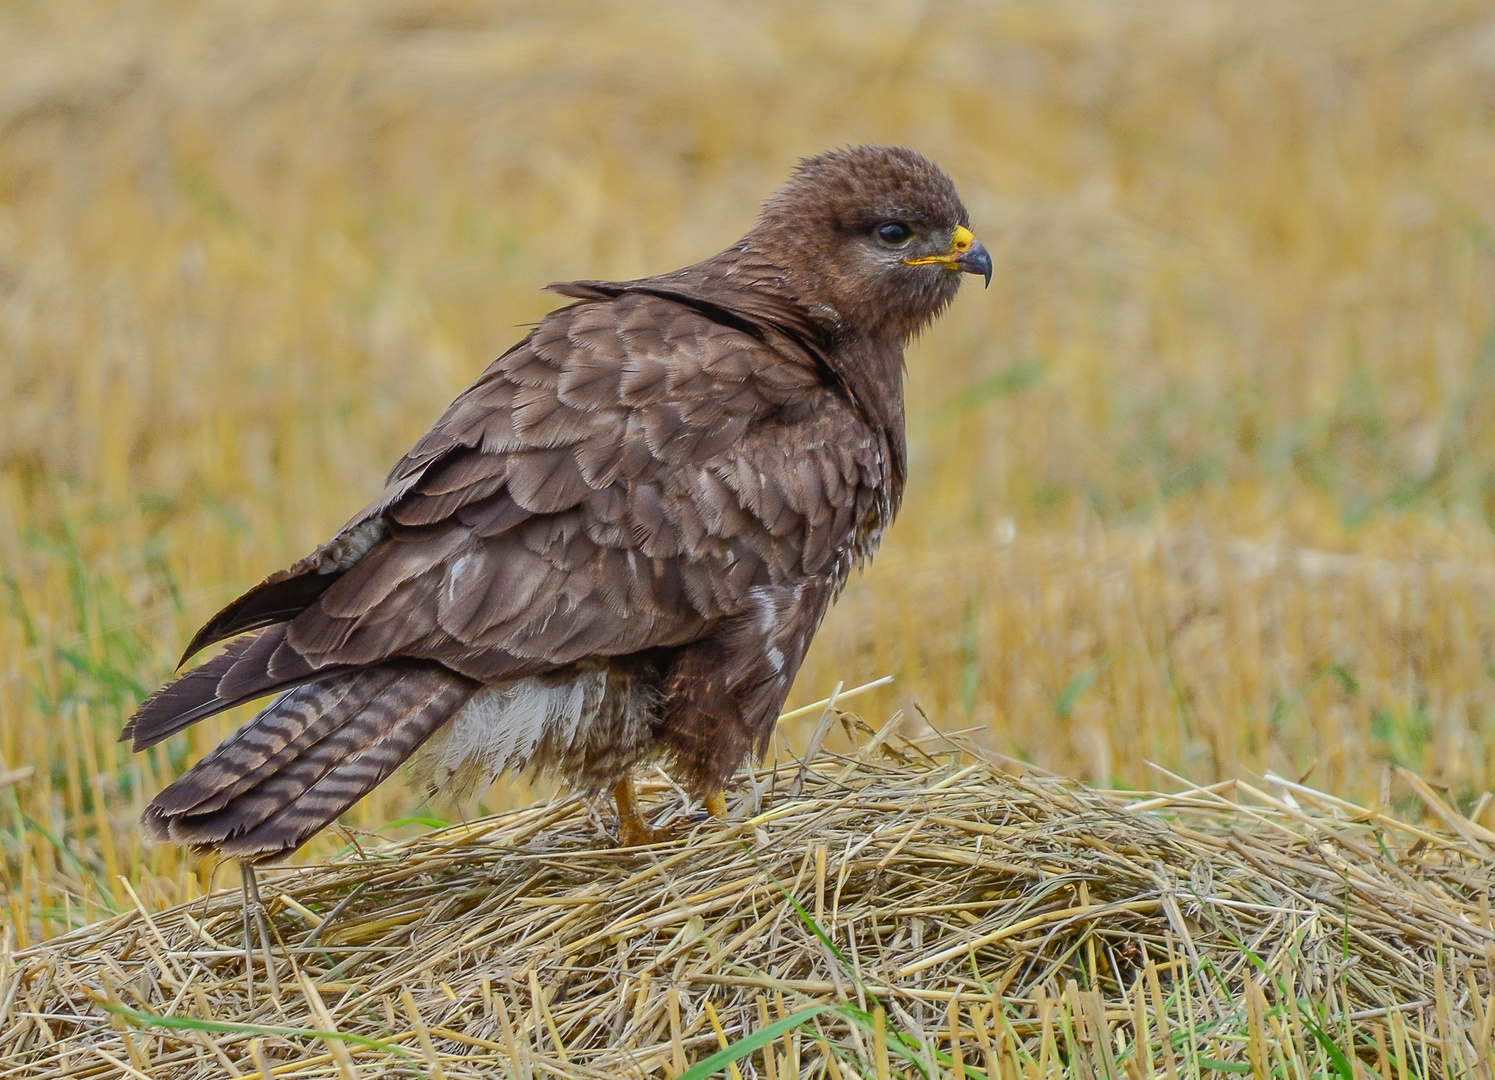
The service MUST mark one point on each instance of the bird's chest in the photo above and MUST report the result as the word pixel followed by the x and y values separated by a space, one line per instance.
pixel 875 508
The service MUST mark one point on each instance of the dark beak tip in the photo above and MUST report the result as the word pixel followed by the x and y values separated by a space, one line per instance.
pixel 977 261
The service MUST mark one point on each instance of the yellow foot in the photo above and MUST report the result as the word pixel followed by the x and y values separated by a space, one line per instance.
pixel 631 834
pixel 716 805
pixel 633 830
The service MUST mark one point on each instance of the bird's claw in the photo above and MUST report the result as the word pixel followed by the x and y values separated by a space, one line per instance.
pixel 634 831
pixel 639 834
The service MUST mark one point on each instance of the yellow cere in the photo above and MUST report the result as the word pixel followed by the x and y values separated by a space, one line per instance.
pixel 960 242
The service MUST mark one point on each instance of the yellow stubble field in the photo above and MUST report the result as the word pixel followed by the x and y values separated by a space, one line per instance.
pixel 1206 479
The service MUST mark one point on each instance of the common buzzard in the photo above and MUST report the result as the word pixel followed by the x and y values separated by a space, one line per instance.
pixel 613 547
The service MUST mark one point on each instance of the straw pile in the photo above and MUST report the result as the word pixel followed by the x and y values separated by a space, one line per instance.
pixel 949 917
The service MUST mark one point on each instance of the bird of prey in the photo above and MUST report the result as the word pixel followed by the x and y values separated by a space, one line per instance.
pixel 612 549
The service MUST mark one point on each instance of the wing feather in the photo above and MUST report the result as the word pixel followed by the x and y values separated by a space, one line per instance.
pixel 621 480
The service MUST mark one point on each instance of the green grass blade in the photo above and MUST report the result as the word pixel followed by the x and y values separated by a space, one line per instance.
pixel 1341 1064
pixel 809 921
pixel 192 1023
pixel 748 1043
pixel 417 819
pixel 1225 1066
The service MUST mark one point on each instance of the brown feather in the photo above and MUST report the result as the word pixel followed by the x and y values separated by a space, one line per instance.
pixel 242 672
pixel 305 759
pixel 274 600
pixel 666 482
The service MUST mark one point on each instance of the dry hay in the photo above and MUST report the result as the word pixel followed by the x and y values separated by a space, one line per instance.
pixel 1239 929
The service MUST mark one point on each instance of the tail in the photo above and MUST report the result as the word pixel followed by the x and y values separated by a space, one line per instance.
pixel 251 667
pixel 308 756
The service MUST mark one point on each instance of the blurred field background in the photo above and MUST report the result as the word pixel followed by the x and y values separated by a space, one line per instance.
pixel 1206 478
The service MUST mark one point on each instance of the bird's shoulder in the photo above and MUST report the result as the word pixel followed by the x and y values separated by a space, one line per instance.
pixel 623 388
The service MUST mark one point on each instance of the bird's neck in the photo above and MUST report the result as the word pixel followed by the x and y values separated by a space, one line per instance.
pixel 872 372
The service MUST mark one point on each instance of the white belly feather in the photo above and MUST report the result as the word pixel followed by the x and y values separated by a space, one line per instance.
pixel 502 726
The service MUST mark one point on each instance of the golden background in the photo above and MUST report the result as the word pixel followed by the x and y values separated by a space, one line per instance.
pixel 1205 479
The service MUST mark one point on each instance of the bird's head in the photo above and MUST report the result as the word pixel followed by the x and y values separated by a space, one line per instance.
pixel 873 238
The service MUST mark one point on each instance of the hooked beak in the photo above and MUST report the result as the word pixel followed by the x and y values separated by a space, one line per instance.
pixel 976 260
pixel 966 255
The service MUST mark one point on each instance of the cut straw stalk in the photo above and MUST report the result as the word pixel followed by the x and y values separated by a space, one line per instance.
pixel 517 936
pixel 838 696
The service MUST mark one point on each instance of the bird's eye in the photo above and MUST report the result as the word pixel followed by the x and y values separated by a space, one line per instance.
pixel 894 233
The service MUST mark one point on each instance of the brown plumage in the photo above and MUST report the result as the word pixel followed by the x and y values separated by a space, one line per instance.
pixel 615 546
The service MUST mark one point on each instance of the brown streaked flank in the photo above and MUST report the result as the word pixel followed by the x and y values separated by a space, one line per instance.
pixel 613 548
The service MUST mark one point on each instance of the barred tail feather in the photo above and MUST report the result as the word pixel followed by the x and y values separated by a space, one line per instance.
pixel 308 756
pixel 251 667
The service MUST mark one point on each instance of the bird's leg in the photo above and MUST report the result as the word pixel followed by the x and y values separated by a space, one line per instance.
pixel 633 830
pixel 716 805
pixel 252 892
pixel 244 873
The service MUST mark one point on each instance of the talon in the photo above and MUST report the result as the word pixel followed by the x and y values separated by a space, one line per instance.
pixel 640 835
pixel 633 830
